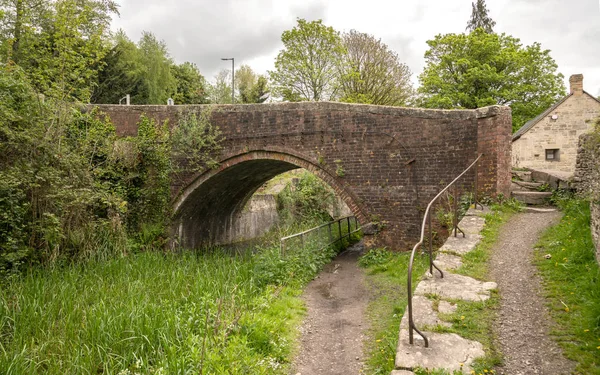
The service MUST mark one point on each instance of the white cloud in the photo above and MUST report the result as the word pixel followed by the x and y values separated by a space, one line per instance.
pixel 204 31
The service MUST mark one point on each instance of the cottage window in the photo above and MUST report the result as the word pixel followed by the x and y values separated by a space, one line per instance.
pixel 552 154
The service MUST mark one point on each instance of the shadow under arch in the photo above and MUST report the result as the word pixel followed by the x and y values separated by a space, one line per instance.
pixel 206 209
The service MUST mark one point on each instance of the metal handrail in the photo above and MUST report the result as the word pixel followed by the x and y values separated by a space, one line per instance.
pixel 427 219
pixel 329 224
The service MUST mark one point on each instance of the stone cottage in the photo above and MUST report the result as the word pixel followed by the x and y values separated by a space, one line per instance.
pixel 549 141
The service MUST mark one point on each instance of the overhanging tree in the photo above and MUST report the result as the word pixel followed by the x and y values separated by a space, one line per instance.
pixel 307 67
pixel 479 69
pixel 59 44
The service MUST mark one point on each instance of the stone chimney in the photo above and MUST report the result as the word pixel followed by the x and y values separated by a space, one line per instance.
pixel 576 82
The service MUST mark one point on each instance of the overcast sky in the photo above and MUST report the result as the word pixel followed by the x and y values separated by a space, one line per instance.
pixel 204 31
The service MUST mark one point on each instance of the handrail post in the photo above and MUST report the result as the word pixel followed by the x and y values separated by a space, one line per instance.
pixel 476 184
pixel 430 245
pixel 348 221
pixel 455 209
pixel 476 194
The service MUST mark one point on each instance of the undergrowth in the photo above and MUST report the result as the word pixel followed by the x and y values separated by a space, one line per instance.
pixel 158 313
pixel 566 260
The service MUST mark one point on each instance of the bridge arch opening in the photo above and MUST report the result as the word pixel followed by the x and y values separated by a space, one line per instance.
pixel 205 211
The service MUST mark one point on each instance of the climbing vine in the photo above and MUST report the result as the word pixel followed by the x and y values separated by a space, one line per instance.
pixel 196 141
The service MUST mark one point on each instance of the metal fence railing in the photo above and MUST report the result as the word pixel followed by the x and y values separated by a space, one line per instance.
pixel 322 236
pixel 455 229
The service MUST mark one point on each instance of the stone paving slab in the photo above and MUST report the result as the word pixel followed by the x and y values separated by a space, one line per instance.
pixel 446 350
pixel 478 211
pixel 446 307
pixel 454 286
pixel 472 224
pixel 423 314
pixel 460 245
pixel 448 262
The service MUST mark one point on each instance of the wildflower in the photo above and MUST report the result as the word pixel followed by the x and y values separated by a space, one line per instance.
pixel 462 317
pixel 586 330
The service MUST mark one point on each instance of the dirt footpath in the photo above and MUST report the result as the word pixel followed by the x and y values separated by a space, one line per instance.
pixel 524 322
pixel 335 326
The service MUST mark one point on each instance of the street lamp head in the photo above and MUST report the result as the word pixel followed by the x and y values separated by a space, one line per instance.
pixel 226 59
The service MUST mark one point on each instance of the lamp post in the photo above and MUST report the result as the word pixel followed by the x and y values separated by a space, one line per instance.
pixel 232 77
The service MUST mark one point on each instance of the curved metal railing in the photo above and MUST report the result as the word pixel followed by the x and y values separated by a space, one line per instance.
pixel 455 229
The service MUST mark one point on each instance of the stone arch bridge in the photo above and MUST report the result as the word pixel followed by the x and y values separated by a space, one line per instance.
pixel 394 160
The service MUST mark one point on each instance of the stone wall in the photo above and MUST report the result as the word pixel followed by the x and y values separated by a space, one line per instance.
pixel 587 181
pixel 386 163
pixel 257 218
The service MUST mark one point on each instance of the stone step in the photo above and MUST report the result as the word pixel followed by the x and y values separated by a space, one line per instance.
pixel 424 314
pixel 459 244
pixel 525 186
pixel 522 175
pixel 540 210
pixel 448 262
pixel 538 198
pixel 453 286
pixel 446 351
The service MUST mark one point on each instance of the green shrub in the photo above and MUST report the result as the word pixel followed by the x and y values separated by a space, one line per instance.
pixel 307 201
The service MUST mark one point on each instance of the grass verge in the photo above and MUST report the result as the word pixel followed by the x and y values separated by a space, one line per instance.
pixel 156 313
pixel 565 257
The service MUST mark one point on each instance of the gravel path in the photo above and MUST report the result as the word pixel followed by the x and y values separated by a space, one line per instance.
pixel 524 322
pixel 332 333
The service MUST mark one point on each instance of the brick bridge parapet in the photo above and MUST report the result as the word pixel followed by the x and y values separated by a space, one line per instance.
pixel 386 163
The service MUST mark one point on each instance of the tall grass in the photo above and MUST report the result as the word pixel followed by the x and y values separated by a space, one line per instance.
pixel 157 313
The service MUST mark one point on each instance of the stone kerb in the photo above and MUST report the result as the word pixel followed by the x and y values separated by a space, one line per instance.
pixel 446 351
